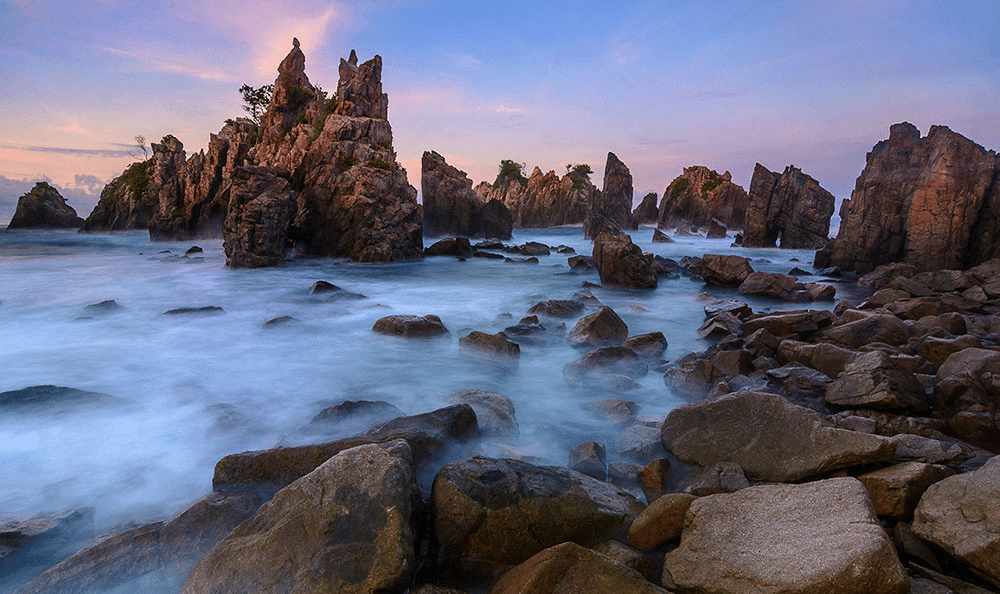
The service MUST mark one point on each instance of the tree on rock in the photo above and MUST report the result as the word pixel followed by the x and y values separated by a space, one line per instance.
pixel 256 100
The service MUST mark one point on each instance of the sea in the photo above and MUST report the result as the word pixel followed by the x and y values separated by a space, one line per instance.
pixel 190 389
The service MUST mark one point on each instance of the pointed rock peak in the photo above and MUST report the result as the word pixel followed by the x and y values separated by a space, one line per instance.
pixel 903 130
pixel 360 89
pixel 295 62
pixel 295 42
pixel 353 60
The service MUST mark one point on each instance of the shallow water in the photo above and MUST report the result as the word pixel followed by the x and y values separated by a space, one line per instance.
pixel 200 387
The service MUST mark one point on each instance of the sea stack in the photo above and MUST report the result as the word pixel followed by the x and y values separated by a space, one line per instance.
pixel 44 207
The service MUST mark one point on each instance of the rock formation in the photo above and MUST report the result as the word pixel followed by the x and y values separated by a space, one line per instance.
pixel 791 207
pixel 125 203
pixel 932 202
pixel 700 195
pixel 647 212
pixel 542 200
pixel 43 206
pixel 611 210
pixel 451 207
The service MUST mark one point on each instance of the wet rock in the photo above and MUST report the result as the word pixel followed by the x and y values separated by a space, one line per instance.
pixel 450 246
pixel 568 567
pixel 259 214
pixel 589 458
pixel 624 475
pixel 107 306
pixel 660 523
pixel 647 211
pixel 755 540
pixel 721 477
pixel 716 230
pixel 639 443
pixel 613 410
pixel 803 323
pixel 494 412
pixel 827 358
pixel 207 310
pixel 610 211
pixel 661 237
pixel 700 195
pixel 693 379
pixel 648 346
pixel 43 207
pixel 724 271
pixel 733 428
pixel 960 515
pixel 267 471
pixel 29 544
pixel 604 361
pixel 347 526
pixel 581 263
pixel 895 490
pixel 496 344
pixel 280 321
pixel 621 263
pixel 410 326
pixel 767 284
pixel 357 412
pixel 557 308
pixel 874 380
pixel 602 328
pixel 737 308
pixel 929 202
pixel 791 207
pixel 491 514
pixel 720 326
pixel 52 399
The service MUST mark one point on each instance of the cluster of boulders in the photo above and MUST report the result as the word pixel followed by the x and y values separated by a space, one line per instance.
pixel 43 207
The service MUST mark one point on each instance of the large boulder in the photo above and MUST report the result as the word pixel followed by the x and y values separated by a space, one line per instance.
pixel 611 210
pixel 700 195
pixel 815 537
pixel 44 207
pixel 790 207
pixel 931 202
pixel 967 389
pixel 737 428
pixel 450 205
pixel 410 326
pixel 960 514
pixel 491 514
pixel 568 567
pixel 620 263
pixel 723 270
pixel 601 328
pixel 768 284
pixel 874 380
pixel 261 208
pixel 348 526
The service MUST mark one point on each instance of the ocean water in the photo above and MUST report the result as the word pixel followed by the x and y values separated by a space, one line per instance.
pixel 195 388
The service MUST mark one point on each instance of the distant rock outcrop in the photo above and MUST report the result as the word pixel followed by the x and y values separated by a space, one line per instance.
pixel 932 202
pixel 451 207
pixel 611 210
pixel 791 207
pixel 43 207
pixel 647 211
pixel 125 203
pixel 700 195
pixel 542 200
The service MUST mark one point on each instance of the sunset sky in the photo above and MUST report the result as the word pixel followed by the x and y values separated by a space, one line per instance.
pixel 663 84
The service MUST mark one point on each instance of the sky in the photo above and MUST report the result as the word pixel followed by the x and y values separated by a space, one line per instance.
pixel 662 84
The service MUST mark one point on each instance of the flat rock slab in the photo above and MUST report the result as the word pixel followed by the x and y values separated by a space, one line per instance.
pixel 961 514
pixel 568 567
pixel 345 527
pixel 743 428
pixel 491 514
pixel 814 537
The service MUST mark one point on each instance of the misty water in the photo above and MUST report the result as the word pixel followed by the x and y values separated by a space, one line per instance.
pixel 191 389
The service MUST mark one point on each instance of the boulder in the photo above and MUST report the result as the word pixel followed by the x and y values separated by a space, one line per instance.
pixel 621 263
pixel 610 210
pixel 613 410
pixel 960 515
pixel 724 271
pixel 568 567
pixel 661 237
pixel 929 202
pixel 648 346
pixel 767 284
pixel 721 477
pixel 590 459
pixel 450 246
pixel 495 344
pixel 155 555
pixel 827 358
pixel 647 211
pixel 265 472
pixel 492 514
pixel 967 389
pixel 557 308
pixel 44 207
pixel 410 326
pixel 895 490
pixel 451 207
pixel 30 544
pixel 604 361
pixel 494 412
pixel 790 210
pixel 716 230
pixel 356 412
pixel 52 400
pixel 734 428
pixel 803 323
pixel 700 195
pixel 260 211
pixel 788 539
pixel 348 526
pixel 874 380
pixel 855 333
pixel 601 328
pixel 660 523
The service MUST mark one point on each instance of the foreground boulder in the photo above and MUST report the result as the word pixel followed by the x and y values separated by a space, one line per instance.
pixel 787 539
pixel 611 209
pixel 601 328
pixel 736 428
pixel 960 514
pixel 568 567
pixel 44 207
pixel 790 210
pixel 724 271
pixel 931 202
pixel 492 514
pixel 620 263
pixel 348 526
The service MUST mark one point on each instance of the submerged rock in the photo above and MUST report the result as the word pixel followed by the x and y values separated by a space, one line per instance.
pixel 410 326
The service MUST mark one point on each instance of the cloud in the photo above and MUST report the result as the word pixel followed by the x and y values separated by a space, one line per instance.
pixel 464 61
pixel 163 61
pixel 102 153
pixel 90 184
pixel 73 128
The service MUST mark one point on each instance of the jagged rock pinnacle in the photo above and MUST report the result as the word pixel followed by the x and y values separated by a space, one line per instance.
pixel 295 42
